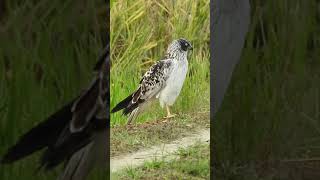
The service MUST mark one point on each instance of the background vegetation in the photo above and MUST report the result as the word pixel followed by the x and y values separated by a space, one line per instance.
pixel 140 33
pixel 47 51
pixel 269 124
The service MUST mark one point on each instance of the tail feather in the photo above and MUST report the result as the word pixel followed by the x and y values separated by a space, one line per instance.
pixel 75 164
pixel 123 104
pixel 40 136
pixel 54 155
pixel 69 143
pixel 130 103
pixel 81 162
pixel 132 106
pixel 133 115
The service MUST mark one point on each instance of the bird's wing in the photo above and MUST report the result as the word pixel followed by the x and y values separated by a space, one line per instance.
pixel 41 136
pixel 154 80
pixel 85 107
pixel 89 116
pixel 87 146
pixel 61 143
pixel 91 100
pixel 150 85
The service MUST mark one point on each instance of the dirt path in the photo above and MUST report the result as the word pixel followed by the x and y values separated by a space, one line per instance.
pixel 166 151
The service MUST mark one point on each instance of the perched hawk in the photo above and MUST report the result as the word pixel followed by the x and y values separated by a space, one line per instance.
pixel 76 134
pixel 163 80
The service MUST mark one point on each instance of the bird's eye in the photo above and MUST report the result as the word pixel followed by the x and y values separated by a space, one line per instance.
pixel 186 44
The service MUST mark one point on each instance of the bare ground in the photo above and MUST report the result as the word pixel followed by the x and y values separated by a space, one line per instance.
pixel 129 139
pixel 165 151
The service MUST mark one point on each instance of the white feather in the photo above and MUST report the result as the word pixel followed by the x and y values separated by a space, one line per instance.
pixel 174 83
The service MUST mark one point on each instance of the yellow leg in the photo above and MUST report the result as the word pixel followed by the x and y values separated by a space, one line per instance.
pixel 169 115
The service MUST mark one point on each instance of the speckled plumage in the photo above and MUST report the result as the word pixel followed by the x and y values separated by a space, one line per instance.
pixel 163 80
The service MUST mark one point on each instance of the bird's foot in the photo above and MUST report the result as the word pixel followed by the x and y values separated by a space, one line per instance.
pixel 169 116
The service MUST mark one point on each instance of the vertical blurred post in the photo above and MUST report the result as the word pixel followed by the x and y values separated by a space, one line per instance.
pixel 229 24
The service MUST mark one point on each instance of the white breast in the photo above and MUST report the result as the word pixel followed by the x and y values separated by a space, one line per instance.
pixel 174 83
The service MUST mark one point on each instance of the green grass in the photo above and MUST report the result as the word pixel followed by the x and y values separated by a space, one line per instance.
pixel 189 163
pixel 47 51
pixel 271 109
pixel 140 33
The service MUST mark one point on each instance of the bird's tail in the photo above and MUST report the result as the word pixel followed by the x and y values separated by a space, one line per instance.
pixel 82 162
pixel 130 103
pixel 133 115
pixel 77 161
pixel 123 104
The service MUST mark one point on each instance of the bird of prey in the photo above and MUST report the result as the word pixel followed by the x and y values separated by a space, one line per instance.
pixel 162 81
pixel 76 134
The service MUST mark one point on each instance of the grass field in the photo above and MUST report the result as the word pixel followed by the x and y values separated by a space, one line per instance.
pixel 271 112
pixel 47 51
pixel 189 163
pixel 140 33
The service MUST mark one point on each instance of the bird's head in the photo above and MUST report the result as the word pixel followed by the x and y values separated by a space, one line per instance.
pixel 179 46
pixel 185 45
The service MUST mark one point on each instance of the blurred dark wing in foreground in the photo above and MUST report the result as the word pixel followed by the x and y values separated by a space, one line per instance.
pixel 40 136
pixel 76 134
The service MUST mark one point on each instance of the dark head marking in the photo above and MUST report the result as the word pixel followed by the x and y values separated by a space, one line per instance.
pixel 185 44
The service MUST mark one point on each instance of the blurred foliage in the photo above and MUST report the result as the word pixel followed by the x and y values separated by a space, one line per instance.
pixel 47 52
pixel 271 111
